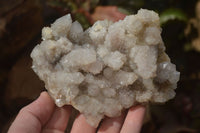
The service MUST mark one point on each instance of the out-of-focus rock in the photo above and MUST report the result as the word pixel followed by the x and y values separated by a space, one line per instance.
pixel 16 17
pixel 107 12
pixel 195 22
pixel 23 85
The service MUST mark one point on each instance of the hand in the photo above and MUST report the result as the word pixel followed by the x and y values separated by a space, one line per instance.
pixel 42 116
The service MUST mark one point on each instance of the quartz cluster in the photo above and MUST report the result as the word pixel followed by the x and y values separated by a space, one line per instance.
pixel 106 68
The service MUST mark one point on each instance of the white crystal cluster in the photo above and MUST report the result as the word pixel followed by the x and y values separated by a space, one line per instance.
pixel 106 68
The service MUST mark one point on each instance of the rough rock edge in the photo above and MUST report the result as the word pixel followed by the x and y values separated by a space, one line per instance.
pixel 106 68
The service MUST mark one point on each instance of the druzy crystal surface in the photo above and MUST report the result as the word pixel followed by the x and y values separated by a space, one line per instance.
pixel 106 68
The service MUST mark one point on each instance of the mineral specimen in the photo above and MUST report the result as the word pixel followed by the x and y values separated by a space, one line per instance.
pixel 106 68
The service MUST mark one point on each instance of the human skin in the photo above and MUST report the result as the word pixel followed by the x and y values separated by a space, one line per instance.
pixel 42 116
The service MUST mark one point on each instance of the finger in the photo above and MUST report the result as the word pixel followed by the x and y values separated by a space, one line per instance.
pixel 81 126
pixel 112 125
pixel 32 117
pixel 58 121
pixel 134 120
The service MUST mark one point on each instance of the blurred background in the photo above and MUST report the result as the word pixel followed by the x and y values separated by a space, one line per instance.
pixel 21 22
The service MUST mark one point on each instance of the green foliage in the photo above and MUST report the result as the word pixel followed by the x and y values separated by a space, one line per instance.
pixel 124 11
pixel 172 14
pixel 188 47
pixel 73 5
pixel 79 9
pixel 64 4
pixel 82 20
pixel 131 6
